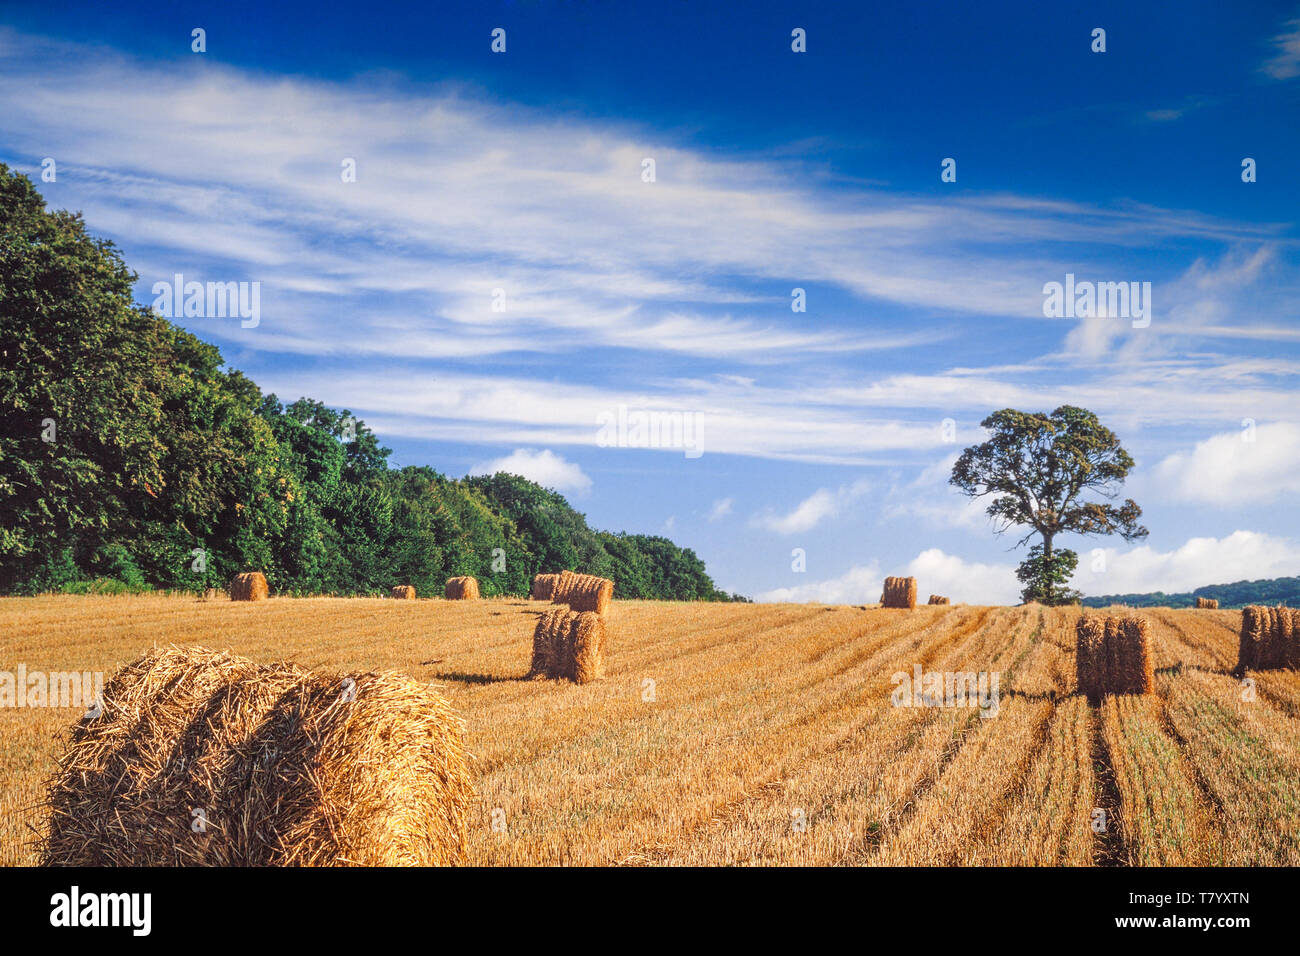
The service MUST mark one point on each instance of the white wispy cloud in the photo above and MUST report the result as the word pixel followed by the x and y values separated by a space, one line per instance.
pixel 1243 468
pixel 962 581
pixel 821 504
pixel 930 499
pixel 457 195
pixel 385 286
pixel 1240 556
pixel 1285 63
pixel 830 423
pixel 861 584
pixel 721 508
pixel 544 467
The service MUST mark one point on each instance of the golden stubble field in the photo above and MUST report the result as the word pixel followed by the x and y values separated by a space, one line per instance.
pixel 760 734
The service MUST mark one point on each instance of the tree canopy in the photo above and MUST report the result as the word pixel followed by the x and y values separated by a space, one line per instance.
pixel 132 457
pixel 1047 473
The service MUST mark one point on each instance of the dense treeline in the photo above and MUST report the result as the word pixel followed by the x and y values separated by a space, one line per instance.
pixel 131 457
pixel 1238 594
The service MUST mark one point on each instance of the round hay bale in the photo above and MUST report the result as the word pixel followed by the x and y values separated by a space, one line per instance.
pixel 899 592
pixel 1277 652
pixel 588 635
pixel 569 645
pixel 564 586
pixel 1112 675
pixel 403 592
pixel 544 650
pixel 249 586
pixel 938 599
pixel 461 589
pixel 543 587
pixel 561 640
pixel 590 593
pixel 1254 634
pixel 1210 603
pixel 1290 637
pixel 1089 661
pixel 1138 674
pixel 203 758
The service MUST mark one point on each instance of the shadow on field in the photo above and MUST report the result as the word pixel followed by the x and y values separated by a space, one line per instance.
pixel 1052 695
pixel 463 678
pixel 1180 667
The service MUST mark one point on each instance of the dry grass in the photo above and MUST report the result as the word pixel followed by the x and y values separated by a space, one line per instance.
pixel 744 734
pixel 1164 822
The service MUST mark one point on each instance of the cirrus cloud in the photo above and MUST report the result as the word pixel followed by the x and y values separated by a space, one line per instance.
pixel 821 504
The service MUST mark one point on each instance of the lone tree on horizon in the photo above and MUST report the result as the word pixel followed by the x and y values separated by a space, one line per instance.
pixel 1042 468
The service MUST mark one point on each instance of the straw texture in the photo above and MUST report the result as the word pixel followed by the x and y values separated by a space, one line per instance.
pixel 204 758
pixel 899 592
pixel 461 589
pixel 249 586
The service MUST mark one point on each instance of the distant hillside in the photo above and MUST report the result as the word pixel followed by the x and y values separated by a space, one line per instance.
pixel 1265 591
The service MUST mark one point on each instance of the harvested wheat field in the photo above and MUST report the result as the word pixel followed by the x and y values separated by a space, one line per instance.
pixel 759 734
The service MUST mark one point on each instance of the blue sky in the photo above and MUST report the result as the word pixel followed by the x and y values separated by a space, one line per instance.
pixel 820 430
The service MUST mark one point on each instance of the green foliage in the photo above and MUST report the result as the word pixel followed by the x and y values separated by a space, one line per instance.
pixel 1047 579
pixel 1045 472
pixel 116 427
pixel 102 586
pixel 126 447
pixel 1267 591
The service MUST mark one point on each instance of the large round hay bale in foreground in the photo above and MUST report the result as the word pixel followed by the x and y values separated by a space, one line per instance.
pixel 403 592
pixel 200 758
pixel 461 589
pixel 249 586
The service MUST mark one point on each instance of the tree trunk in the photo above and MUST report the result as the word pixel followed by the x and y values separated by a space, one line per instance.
pixel 1047 570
